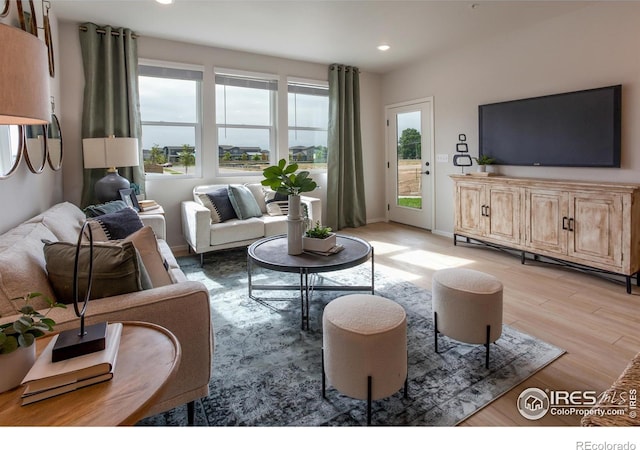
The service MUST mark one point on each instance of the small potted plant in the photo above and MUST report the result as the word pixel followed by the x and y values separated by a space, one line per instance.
pixel 319 239
pixel 484 161
pixel 17 352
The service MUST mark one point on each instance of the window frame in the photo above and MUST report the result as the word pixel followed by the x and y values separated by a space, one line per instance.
pixel 198 126
pixel 273 117
pixel 322 84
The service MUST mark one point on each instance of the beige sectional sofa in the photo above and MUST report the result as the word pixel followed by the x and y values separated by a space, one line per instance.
pixel 181 306
pixel 203 234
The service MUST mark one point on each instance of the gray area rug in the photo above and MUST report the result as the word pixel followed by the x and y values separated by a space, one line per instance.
pixel 267 371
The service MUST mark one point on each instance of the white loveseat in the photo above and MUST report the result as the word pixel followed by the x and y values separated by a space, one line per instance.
pixel 204 235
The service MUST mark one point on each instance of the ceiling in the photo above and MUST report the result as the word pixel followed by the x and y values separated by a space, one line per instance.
pixel 336 31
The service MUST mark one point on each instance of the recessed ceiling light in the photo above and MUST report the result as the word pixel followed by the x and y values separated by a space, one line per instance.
pixel 384 47
pixel 165 2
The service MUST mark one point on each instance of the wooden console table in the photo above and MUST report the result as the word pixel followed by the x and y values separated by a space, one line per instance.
pixel 148 357
pixel 587 225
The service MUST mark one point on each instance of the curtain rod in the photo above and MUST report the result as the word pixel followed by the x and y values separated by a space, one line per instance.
pixel 103 31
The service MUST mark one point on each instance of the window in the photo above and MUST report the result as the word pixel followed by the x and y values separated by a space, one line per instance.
pixel 245 121
pixel 308 123
pixel 170 110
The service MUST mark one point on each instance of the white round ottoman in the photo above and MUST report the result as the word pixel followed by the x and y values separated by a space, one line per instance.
pixel 364 347
pixel 467 306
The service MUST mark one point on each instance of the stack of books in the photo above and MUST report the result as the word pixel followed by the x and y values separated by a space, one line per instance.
pixel 47 379
pixel 332 251
pixel 148 205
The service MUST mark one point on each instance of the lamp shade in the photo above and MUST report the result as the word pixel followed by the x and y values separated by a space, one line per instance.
pixel 24 78
pixel 101 153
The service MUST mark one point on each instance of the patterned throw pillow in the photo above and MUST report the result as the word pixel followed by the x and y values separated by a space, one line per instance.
pixel 277 204
pixel 219 204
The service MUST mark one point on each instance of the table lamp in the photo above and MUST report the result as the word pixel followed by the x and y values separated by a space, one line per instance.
pixel 110 153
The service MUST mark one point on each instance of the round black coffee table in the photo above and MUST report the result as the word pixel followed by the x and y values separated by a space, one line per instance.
pixel 271 253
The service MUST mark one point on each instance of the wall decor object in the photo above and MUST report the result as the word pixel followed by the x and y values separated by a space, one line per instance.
pixel 55 144
pixel 462 159
pixel 47 38
pixel 28 20
pixel 5 8
pixel 11 149
pixel 35 148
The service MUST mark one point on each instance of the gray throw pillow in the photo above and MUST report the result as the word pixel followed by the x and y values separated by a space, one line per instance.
pixel 243 202
pixel 105 208
pixel 117 269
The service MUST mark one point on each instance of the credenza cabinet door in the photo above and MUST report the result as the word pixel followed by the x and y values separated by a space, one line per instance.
pixel 546 220
pixel 469 208
pixel 595 228
pixel 502 213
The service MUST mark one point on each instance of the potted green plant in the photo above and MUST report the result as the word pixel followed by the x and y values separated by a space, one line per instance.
pixel 483 161
pixel 319 239
pixel 283 179
pixel 17 352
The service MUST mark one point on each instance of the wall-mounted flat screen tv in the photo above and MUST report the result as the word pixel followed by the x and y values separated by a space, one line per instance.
pixel 576 129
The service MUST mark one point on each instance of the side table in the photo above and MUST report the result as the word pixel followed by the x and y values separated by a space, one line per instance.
pixel 148 357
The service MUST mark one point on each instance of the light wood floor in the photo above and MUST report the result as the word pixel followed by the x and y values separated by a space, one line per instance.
pixel 593 319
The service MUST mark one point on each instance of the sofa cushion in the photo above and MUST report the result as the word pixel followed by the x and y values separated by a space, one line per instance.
pixel 22 266
pixel 257 190
pixel 218 203
pixel 64 220
pixel 117 269
pixel 145 242
pixel 237 230
pixel 277 204
pixel 116 225
pixel 274 225
pixel 243 202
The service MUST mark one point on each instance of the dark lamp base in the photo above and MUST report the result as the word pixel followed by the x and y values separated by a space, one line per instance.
pixel 70 344
pixel 108 187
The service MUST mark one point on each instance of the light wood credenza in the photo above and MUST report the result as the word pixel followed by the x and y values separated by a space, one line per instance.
pixel 591 225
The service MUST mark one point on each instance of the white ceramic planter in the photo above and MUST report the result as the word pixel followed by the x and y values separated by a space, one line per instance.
pixel 319 245
pixel 295 226
pixel 15 365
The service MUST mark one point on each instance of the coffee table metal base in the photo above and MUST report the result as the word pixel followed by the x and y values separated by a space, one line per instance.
pixel 308 270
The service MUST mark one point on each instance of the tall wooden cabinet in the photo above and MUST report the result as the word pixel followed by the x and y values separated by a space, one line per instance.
pixel 596 225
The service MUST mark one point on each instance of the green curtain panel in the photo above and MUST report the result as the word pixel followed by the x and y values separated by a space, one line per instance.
pixel 345 179
pixel 111 101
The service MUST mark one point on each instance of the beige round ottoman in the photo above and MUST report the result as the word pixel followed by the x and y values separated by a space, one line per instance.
pixel 467 306
pixel 364 347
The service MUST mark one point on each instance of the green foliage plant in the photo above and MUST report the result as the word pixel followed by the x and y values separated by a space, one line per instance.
pixel 31 325
pixel 318 231
pixel 484 160
pixel 283 179
pixel 187 158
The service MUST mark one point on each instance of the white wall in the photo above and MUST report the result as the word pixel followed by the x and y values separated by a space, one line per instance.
pixel 25 194
pixel 592 47
pixel 170 192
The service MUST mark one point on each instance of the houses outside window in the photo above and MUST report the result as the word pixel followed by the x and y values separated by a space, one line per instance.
pixel 171 115
pixel 245 121
pixel 308 123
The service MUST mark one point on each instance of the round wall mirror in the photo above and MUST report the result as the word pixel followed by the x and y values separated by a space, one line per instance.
pixel 35 149
pixel 55 146
pixel 11 143
pixel 4 7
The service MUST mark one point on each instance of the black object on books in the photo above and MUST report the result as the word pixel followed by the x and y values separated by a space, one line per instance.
pixel 72 343
pixel 47 379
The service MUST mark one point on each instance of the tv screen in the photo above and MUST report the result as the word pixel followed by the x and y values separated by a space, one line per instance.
pixel 578 129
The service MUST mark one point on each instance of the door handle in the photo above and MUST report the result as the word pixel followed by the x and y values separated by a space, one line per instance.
pixel 486 211
pixel 564 223
pixel 571 224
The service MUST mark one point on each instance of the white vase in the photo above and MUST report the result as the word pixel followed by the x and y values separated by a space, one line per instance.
pixel 15 365
pixel 482 168
pixel 295 226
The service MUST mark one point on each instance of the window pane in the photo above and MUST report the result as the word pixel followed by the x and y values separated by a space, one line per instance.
pixel 310 111
pixel 168 100
pixel 243 106
pixel 242 149
pixel 308 146
pixel 162 145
